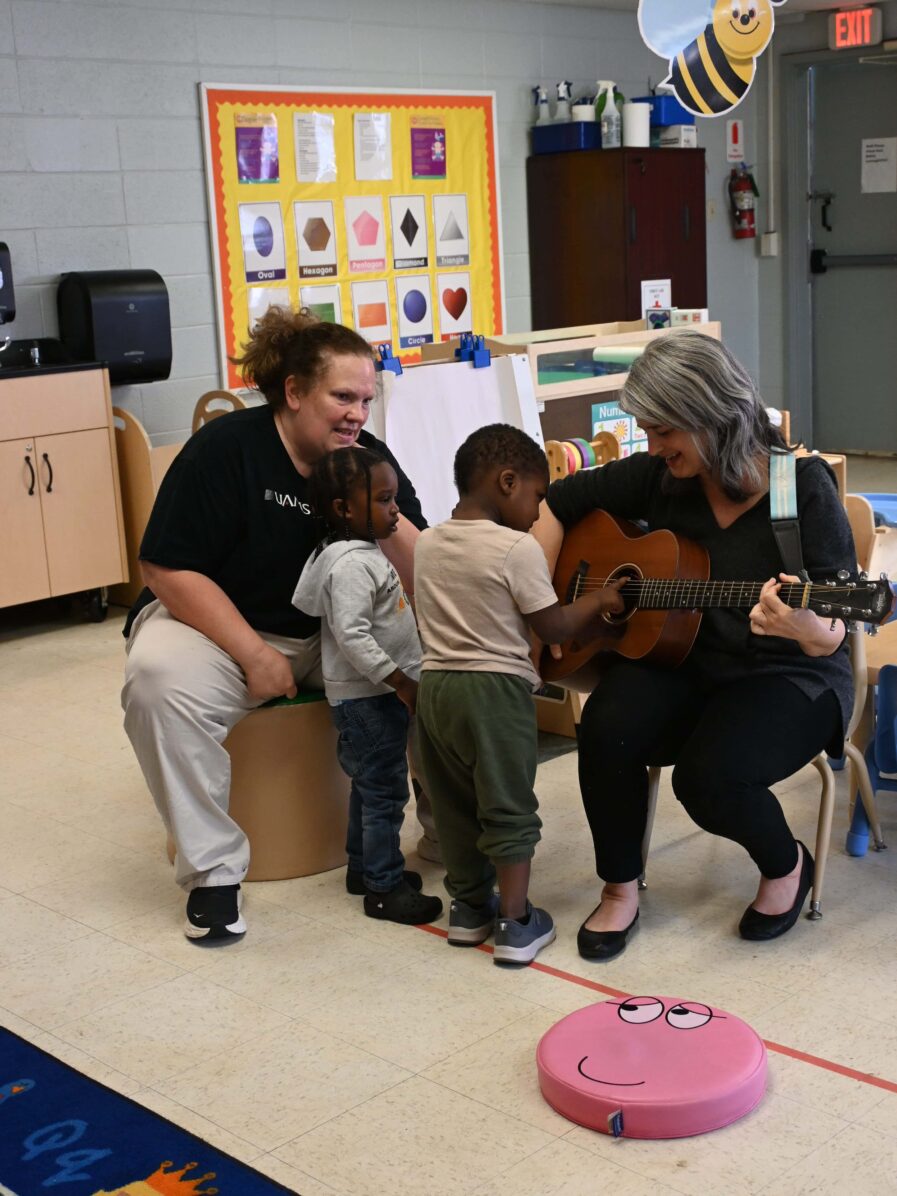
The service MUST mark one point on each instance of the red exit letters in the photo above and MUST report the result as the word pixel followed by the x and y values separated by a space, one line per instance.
pixel 854 27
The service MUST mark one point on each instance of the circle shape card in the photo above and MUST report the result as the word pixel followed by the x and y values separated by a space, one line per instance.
pixel 414 306
pixel 652 1067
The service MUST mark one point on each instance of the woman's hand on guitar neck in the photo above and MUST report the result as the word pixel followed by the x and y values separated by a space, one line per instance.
pixel 771 616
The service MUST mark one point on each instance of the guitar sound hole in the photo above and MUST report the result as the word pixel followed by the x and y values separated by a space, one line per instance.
pixel 630 573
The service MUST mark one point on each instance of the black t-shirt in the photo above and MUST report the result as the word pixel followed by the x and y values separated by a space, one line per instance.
pixel 233 506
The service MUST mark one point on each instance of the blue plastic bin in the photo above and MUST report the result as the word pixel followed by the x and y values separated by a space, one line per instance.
pixel 566 135
pixel 884 507
pixel 666 110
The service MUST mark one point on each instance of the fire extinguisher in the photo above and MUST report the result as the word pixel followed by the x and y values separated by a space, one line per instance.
pixel 742 196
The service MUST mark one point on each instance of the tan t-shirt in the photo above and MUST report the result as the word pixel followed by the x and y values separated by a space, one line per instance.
pixel 473 582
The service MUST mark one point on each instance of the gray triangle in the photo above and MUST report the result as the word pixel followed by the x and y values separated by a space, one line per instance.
pixel 452 232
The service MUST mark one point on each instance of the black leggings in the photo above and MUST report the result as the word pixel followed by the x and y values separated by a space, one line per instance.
pixel 728 744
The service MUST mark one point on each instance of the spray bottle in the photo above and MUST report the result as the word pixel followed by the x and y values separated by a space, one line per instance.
pixel 540 100
pixel 609 114
pixel 565 93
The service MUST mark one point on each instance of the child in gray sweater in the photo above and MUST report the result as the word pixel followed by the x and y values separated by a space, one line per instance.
pixel 371 662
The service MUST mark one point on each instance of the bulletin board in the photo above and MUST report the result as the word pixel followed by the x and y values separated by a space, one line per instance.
pixel 375 209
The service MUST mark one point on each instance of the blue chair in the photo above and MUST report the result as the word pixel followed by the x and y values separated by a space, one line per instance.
pixel 881 756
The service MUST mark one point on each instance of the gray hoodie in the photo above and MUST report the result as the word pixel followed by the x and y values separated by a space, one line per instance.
pixel 367 625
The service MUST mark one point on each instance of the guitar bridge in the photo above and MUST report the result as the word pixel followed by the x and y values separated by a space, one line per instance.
pixel 576 587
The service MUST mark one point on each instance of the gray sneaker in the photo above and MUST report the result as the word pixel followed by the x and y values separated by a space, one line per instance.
pixel 519 943
pixel 470 925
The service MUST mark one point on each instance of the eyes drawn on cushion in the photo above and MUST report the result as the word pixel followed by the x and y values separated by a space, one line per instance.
pixel 686 1015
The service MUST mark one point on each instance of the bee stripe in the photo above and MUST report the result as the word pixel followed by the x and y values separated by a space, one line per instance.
pixel 685 87
pixel 700 82
pixel 713 74
pixel 727 71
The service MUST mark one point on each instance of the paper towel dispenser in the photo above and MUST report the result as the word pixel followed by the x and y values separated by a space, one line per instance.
pixel 119 317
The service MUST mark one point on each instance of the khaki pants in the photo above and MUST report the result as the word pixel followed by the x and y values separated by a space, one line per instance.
pixel 182 696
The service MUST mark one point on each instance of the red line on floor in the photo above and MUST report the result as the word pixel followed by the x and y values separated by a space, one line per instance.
pixel 814 1060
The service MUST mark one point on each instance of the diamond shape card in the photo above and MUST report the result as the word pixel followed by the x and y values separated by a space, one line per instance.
pixel 324 302
pixel 410 248
pixel 365 233
pixel 264 253
pixel 315 239
pixel 414 307
pixel 453 295
pixel 259 299
pixel 370 310
pixel 452 230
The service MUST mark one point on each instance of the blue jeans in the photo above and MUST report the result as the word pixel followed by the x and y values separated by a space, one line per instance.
pixel 373 740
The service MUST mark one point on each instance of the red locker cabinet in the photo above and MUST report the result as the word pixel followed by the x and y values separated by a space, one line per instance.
pixel 601 221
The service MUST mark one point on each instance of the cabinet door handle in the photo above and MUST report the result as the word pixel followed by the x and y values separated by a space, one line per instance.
pixel 632 225
pixel 46 458
pixel 33 475
pixel 686 222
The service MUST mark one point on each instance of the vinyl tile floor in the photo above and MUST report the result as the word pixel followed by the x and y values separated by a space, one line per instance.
pixel 339 1055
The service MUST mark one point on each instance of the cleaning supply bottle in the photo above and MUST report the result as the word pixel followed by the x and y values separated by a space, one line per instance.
pixel 609 115
pixel 565 93
pixel 540 100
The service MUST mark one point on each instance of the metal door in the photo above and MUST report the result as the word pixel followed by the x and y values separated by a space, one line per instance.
pixel 855 299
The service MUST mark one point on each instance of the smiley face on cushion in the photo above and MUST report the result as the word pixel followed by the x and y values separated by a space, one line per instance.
pixel 658 1067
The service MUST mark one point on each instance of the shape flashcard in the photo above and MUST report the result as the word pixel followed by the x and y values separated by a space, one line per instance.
pixel 370 309
pixel 414 308
pixel 365 234
pixel 315 239
pixel 452 230
pixel 264 253
pixel 323 302
pixel 259 299
pixel 453 291
pixel 410 250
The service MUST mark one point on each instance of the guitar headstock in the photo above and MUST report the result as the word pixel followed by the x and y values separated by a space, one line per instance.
pixel 862 601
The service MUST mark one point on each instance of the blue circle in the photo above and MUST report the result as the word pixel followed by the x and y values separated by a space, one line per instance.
pixel 262 236
pixel 414 306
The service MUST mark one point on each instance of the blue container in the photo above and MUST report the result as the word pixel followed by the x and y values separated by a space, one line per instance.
pixel 566 135
pixel 666 110
pixel 884 507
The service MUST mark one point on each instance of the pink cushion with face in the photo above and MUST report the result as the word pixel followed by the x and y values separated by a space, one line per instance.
pixel 670 1067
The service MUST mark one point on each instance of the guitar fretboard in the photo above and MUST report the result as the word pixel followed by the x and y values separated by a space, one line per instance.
pixel 668 593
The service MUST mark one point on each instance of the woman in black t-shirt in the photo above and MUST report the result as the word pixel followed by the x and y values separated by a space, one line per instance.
pixel 762 691
pixel 216 634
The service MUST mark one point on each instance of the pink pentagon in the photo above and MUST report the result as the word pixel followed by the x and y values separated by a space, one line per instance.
pixel 669 1067
pixel 366 228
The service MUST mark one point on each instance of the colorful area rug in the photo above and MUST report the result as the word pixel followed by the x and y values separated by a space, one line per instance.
pixel 63 1132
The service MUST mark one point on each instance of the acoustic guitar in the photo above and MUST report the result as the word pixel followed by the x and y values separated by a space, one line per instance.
pixel 667 587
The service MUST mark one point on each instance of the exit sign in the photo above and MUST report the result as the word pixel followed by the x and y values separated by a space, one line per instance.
pixel 854 27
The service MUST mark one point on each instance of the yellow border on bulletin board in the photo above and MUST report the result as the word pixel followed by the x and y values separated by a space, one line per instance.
pixel 469 124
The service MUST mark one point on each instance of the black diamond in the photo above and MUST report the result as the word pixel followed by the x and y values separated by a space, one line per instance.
pixel 409 226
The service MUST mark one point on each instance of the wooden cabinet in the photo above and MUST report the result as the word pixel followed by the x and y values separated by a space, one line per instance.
pixel 601 221
pixel 61 527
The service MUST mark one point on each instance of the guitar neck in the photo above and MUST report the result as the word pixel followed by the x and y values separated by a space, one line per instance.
pixel 661 593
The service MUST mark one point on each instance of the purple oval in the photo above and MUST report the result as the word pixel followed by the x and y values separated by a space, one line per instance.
pixel 262 236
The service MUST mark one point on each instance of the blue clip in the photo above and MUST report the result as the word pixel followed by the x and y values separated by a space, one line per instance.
pixel 387 361
pixel 481 356
pixel 465 351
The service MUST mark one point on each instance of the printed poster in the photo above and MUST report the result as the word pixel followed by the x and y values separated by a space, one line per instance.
pixel 414 305
pixel 313 133
pixel 453 291
pixel 257 155
pixel 452 230
pixel 315 239
pixel 370 311
pixel 261 230
pixel 324 302
pixel 259 299
pixel 365 234
pixel 610 417
pixel 408 214
pixel 428 158
pixel 373 146
pixel 879 171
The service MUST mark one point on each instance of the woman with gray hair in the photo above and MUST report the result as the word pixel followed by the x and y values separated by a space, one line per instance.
pixel 762 691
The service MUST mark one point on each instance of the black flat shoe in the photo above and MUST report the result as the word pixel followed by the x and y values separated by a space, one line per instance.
pixel 603 944
pixel 759 928
pixel 356 886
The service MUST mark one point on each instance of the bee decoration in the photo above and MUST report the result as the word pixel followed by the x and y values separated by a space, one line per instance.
pixel 712 47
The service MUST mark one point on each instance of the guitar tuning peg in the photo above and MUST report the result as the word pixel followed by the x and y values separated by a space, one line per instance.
pixel 882 577
pixel 843 575
pixel 825 608
pixel 851 625
pixel 834 624
pixel 864 576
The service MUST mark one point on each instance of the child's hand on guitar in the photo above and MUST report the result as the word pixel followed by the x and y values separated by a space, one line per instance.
pixel 610 599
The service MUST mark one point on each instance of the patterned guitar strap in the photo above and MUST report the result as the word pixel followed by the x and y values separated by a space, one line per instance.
pixel 783 512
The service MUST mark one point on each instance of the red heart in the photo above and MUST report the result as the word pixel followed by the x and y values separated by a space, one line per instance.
pixel 455 302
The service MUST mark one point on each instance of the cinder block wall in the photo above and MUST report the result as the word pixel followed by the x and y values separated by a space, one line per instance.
pixel 100 141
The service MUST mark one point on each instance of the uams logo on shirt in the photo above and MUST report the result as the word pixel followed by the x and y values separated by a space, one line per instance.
pixel 287 500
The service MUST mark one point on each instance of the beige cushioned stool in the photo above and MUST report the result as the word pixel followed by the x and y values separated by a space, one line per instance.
pixel 288 793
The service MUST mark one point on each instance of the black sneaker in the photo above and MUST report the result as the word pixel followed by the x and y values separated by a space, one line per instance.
pixel 214 913
pixel 403 904
pixel 356 886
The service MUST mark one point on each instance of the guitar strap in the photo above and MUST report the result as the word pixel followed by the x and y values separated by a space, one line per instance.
pixel 783 512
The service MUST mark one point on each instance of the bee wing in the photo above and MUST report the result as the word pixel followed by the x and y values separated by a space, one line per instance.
pixel 668 28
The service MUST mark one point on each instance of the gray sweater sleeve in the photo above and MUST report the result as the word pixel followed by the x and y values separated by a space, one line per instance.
pixel 349 595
